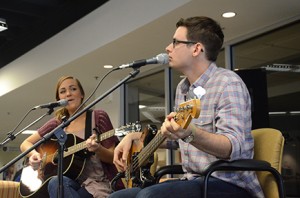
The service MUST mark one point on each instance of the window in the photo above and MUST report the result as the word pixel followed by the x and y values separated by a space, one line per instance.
pixel 279 53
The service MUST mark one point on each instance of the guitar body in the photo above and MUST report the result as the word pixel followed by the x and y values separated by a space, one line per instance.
pixel 143 177
pixel 139 161
pixel 34 183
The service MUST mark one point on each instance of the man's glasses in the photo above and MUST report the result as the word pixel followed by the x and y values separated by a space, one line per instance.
pixel 175 42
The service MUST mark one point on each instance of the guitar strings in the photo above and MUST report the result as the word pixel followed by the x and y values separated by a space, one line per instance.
pixel 77 147
pixel 151 147
pixel 159 138
pixel 148 150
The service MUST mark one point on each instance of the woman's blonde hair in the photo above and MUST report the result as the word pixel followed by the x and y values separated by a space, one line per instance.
pixel 63 112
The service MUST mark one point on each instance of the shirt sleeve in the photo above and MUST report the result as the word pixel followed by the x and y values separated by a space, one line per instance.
pixel 234 119
pixel 48 127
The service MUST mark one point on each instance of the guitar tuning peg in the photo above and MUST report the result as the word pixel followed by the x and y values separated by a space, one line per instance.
pixel 65 148
pixel 138 127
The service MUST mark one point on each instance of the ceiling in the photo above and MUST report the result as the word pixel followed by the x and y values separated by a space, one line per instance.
pixel 31 22
pixel 48 18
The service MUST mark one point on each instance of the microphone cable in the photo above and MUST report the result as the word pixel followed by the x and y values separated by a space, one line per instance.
pixel 89 97
pixel 159 59
pixel 10 135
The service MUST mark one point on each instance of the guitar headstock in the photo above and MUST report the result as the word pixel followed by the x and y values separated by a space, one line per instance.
pixel 186 112
pixel 128 128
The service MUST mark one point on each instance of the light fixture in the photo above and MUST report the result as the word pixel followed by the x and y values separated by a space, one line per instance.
pixel 3 25
pixel 295 112
pixel 282 68
pixel 277 113
pixel 142 106
pixel 228 14
pixel 28 132
pixel 285 113
pixel 108 66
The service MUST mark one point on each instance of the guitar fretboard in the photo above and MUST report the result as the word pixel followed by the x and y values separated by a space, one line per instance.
pixel 82 145
pixel 149 149
pixel 183 117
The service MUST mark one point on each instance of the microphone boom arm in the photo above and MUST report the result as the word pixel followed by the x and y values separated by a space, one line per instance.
pixel 12 136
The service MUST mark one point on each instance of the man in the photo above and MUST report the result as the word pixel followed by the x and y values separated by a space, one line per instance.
pixel 223 130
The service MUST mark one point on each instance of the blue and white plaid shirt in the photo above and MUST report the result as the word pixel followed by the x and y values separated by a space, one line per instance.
pixel 226 110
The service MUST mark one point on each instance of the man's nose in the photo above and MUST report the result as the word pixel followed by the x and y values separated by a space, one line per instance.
pixel 169 48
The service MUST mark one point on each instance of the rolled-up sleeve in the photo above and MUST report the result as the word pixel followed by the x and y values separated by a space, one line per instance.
pixel 233 118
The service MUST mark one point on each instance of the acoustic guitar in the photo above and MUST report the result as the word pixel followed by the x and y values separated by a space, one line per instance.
pixel 136 175
pixel 34 183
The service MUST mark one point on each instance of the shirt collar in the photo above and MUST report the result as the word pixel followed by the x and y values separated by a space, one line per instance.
pixel 201 81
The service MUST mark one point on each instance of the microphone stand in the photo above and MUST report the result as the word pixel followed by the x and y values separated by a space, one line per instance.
pixel 61 135
pixel 12 136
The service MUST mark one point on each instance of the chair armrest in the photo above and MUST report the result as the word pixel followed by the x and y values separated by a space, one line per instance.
pixel 237 165
pixel 170 169
pixel 242 165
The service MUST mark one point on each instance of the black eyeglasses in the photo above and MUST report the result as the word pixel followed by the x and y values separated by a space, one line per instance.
pixel 175 42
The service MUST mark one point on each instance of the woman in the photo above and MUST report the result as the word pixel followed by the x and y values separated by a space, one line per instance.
pixel 99 169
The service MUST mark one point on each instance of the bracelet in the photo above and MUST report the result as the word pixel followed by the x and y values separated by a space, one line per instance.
pixel 193 129
pixel 191 136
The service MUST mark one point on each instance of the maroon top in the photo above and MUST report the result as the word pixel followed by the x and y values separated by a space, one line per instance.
pixel 103 123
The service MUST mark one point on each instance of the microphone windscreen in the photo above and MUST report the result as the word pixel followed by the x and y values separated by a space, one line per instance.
pixel 162 58
pixel 63 102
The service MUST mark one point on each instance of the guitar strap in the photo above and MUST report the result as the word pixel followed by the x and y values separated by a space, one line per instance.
pixel 88 124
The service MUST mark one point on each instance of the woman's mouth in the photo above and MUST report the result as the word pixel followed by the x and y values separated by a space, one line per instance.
pixel 70 100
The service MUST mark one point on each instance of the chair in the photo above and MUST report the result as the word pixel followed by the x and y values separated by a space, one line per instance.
pixel 9 189
pixel 268 148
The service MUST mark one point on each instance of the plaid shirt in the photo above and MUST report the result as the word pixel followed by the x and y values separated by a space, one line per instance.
pixel 226 110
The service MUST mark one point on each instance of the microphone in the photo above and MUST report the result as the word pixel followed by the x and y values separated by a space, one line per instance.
pixel 162 58
pixel 62 102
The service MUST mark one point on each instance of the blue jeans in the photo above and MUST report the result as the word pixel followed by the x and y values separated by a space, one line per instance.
pixel 72 189
pixel 184 188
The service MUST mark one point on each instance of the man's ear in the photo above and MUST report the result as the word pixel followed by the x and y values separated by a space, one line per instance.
pixel 199 48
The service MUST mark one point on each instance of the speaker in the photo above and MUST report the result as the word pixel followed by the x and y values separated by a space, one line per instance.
pixel 256 82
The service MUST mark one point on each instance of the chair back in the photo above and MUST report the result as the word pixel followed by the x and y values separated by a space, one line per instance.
pixel 9 189
pixel 268 146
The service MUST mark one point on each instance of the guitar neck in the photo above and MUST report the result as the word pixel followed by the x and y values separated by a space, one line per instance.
pixel 149 149
pixel 184 114
pixel 82 145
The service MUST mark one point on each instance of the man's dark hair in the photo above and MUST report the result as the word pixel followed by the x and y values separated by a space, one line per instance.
pixel 206 31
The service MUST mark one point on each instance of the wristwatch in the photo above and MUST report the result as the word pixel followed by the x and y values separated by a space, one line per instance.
pixel 189 138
